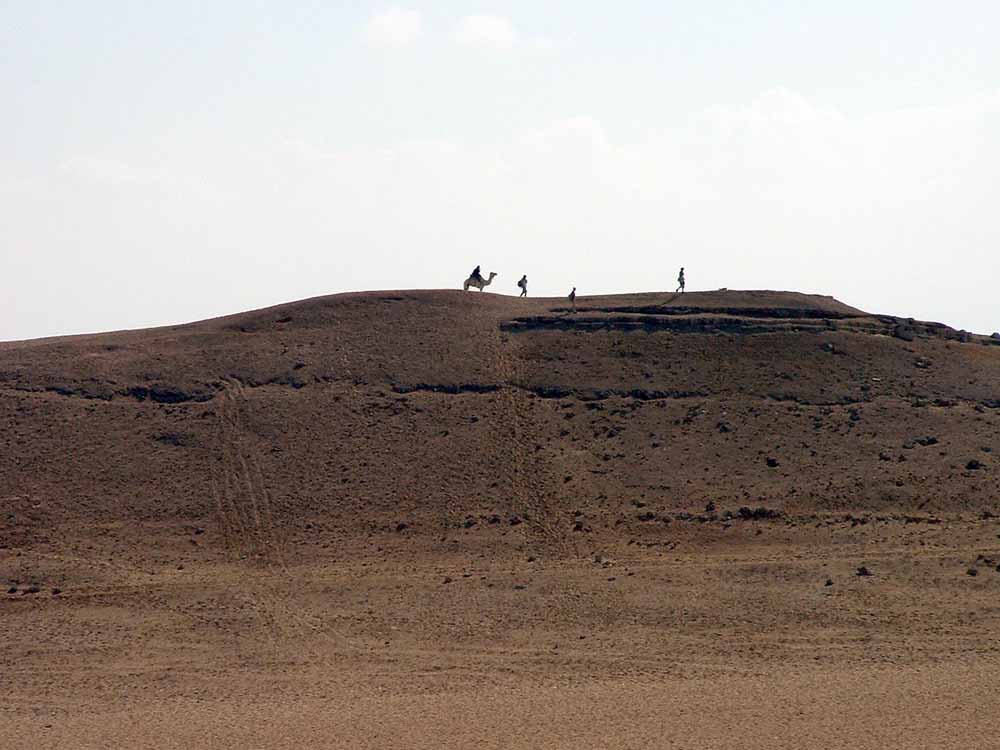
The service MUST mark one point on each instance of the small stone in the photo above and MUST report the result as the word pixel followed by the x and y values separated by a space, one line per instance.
pixel 972 572
pixel 12 590
pixel 829 582
pixel 974 465
pixel 863 571
pixel 447 579
pixel 772 462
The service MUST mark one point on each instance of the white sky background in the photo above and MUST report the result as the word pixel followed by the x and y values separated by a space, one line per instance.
pixel 162 162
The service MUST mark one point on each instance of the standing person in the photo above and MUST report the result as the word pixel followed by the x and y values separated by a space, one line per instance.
pixel 680 282
pixel 523 283
pixel 572 298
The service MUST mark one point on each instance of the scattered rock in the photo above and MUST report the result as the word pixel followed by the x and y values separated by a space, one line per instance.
pixel 757 514
pixel 447 579
pixel 710 507
pixel 975 465
pixel 772 462
pixel 402 526
pixel 972 572
pixel 56 592
pixel 925 441
pixel 176 439
pixel 514 520
pixel 863 571
pixel 903 332
pixel 883 456
pixel 12 590
pixel 647 516
pixel 829 582
pixel 519 587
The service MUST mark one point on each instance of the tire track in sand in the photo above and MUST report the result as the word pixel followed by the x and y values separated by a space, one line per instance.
pixel 242 500
pixel 517 442
pixel 246 516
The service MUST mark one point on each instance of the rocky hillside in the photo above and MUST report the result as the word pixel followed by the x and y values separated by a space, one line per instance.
pixel 420 412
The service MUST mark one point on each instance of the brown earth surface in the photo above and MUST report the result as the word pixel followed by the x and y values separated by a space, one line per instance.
pixel 462 520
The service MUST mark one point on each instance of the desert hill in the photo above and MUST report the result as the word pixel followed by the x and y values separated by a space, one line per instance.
pixel 403 403
pixel 388 484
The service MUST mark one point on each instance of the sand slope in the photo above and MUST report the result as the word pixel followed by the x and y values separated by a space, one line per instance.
pixel 438 519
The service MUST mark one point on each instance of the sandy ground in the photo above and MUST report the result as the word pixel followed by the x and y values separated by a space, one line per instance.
pixel 435 520
pixel 942 706
pixel 739 648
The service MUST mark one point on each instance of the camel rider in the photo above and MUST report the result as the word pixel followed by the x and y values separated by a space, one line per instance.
pixel 523 283
pixel 476 275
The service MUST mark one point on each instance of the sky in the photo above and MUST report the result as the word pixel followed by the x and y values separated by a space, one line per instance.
pixel 170 161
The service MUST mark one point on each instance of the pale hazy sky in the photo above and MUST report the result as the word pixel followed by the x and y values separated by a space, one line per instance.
pixel 162 162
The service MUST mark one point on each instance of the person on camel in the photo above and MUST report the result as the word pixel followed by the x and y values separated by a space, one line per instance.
pixel 476 274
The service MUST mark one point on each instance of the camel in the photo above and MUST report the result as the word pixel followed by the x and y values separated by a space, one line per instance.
pixel 478 283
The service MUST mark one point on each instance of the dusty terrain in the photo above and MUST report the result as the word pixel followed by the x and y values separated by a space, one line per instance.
pixel 436 519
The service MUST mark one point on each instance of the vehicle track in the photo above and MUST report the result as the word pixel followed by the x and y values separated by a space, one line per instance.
pixel 515 441
pixel 242 500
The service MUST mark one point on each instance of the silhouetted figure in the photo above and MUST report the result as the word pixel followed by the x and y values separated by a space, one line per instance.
pixel 523 283
pixel 680 281
pixel 476 275
pixel 572 299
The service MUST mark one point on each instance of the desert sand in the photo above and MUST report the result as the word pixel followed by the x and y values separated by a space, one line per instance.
pixel 441 519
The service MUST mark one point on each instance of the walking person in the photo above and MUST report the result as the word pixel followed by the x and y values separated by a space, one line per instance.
pixel 572 299
pixel 680 282
pixel 523 283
